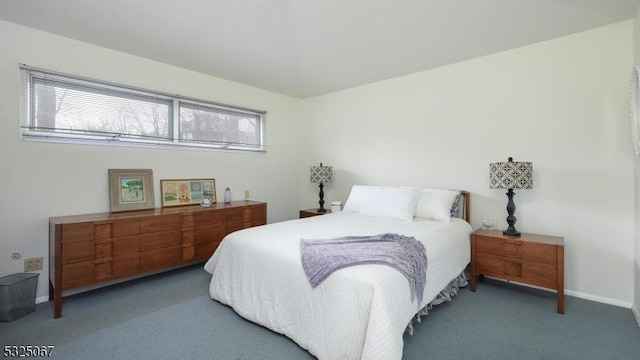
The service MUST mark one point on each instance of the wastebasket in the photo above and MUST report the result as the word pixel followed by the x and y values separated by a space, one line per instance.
pixel 17 295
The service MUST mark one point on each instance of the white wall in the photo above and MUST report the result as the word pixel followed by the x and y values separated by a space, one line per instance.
pixel 39 180
pixel 562 104
pixel 636 301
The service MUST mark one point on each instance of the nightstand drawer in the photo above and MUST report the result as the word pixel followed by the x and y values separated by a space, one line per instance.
pixel 514 248
pixel 545 253
pixel 531 272
pixel 489 245
pixel 488 264
pixel 540 274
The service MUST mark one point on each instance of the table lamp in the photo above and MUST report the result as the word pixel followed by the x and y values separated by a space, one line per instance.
pixel 511 175
pixel 320 174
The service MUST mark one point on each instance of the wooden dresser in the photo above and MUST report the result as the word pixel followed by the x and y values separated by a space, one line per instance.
pixel 528 259
pixel 92 248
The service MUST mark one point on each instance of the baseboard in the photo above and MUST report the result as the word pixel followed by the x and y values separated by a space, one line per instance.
pixel 42 299
pixel 600 299
pixel 636 313
pixel 578 294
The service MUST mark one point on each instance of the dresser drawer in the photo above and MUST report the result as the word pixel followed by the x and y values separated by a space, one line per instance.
pixel 205 250
pixel 126 264
pixel 258 214
pixel 159 258
pixel 77 252
pixel 77 274
pixel 161 239
pixel 160 223
pixel 217 217
pixel 77 232
pixel 126 245
pixel 125 227
pixel 234 220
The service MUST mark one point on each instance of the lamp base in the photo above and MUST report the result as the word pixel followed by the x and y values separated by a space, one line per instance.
pixel 511 219
pixel 321 201
pixel 511 232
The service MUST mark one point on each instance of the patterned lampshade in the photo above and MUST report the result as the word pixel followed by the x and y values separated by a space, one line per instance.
pixel 320 174
pixel 511 175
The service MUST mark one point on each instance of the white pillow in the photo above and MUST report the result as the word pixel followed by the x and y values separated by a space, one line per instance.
pixel 394 203
pixel 435 204
pixel 361 192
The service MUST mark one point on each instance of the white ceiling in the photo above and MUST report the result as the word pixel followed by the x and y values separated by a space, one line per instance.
pixel 305 48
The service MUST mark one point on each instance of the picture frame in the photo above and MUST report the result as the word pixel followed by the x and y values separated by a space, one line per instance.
pixel 181 192
pixel 131 189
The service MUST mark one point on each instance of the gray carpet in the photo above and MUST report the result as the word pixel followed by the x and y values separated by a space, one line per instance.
pixel 170 315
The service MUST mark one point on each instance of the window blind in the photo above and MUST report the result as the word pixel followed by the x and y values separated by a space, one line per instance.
pixel 59 106
pixel 208 124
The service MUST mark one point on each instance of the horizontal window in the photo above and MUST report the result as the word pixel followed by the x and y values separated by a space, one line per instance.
pixel 60 107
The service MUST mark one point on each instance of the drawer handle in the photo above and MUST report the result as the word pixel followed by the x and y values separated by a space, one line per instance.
pixel 511 260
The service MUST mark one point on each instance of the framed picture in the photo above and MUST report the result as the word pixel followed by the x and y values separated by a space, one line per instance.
pixel 181 192
pixel 130 189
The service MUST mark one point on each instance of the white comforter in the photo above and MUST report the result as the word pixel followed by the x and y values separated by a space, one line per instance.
pixel 358 312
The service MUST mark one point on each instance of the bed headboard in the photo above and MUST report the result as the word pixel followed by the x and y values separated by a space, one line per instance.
pixel 464 205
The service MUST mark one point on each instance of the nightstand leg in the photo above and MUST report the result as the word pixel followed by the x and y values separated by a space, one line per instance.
pixel 560 301
pixel 474 283
pixel 560 261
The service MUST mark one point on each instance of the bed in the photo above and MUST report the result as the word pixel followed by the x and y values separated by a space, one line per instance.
pixel 358 312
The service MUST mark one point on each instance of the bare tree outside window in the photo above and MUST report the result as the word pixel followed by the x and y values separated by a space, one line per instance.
pixel 64 107
pixel 210 124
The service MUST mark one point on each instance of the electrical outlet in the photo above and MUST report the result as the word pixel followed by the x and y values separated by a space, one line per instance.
pixel 33 264
pixel 16 256
pixel 246 195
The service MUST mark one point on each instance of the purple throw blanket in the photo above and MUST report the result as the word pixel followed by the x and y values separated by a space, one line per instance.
pixel 322 257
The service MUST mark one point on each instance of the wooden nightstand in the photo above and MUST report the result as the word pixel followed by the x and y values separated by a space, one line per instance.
pixel 529 259
pixel 312 212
